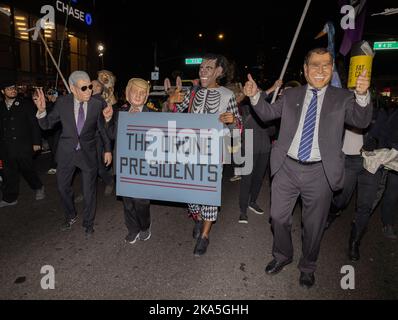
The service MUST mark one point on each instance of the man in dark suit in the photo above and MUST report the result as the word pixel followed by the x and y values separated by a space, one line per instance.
pixel 307 160
pixel 81 118
pixel 19 138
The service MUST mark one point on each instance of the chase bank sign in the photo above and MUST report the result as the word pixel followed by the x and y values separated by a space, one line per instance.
pixel 74 13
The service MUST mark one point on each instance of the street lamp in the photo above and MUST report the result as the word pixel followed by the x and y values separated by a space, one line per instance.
pixel 101 49
pixel 220 36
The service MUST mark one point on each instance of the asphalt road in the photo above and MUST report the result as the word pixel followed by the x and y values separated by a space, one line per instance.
pixel 104 267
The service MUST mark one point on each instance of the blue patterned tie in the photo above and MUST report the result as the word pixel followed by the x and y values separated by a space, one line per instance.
pixel 307 135
pixel 80 122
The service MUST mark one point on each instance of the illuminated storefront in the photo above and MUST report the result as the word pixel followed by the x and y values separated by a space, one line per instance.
pixel 71 35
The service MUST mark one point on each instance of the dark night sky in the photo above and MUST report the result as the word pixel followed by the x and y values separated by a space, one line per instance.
pixel 250 29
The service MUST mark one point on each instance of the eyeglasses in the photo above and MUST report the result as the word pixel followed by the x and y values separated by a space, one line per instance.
pixel 11 88
pixel 84 88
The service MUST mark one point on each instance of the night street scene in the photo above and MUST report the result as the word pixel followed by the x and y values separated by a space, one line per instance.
pixel 198 157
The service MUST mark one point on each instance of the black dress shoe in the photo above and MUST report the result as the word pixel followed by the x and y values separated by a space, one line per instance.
pixel 201 246
pixel 307 280
pixel 274 266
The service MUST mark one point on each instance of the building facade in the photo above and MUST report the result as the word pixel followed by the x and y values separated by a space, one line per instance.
pixel 69 33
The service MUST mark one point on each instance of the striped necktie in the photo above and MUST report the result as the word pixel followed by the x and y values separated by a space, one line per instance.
pixel 307 135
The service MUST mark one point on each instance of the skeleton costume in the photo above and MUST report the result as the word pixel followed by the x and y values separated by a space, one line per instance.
pixel 213 101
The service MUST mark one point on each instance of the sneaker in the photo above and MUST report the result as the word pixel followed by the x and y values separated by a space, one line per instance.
pixel 145 235
pixel 7 204
pixel 131 238
pixel 40 195
pixel 52 171
pixel 235 178
pixel 255 208
pixel 197 229
pixel 67 225
pixel 243 218
pixel 388 232
pixel 201 247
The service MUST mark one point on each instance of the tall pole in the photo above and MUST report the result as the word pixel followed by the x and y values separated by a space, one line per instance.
pixel 62 47
pixel 292 47
pixel 54 62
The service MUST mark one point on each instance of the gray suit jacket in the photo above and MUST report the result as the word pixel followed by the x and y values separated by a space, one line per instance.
pixel 64 112
pixel 339 107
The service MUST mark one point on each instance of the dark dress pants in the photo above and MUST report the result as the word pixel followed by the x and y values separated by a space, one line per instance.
pixel 65 172
pixel 353 166
pixel 290 182
pixel 16 163
pixel 250 184
pixel 137 215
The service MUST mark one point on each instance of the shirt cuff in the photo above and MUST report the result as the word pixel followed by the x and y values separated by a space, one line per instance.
pixel 254 100
pixel 41 115
pixel 363 100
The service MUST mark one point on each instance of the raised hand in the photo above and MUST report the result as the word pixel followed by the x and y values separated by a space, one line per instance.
pixel 179 83
pixel 250 89
pixel 227 118
pixel 40 100
pixel 278 83
pixel 176 97
pixel 363 83
pixel 108 113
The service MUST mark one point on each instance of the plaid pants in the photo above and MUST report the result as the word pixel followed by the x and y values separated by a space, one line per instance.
pixel 208 213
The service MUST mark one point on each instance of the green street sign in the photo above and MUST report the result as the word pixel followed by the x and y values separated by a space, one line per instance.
pixel 385 45
pixel 193 61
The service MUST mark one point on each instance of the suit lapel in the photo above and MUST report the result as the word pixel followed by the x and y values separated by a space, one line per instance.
pixel 299 102
pixel 70 112
pixel 327 105
pixel 90 110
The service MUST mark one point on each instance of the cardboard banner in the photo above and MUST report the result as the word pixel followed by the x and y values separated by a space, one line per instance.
pixel 170 157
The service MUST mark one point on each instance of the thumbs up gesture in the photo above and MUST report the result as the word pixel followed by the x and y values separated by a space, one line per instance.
pixel 177 96
pixel 250 89
pixel 363 83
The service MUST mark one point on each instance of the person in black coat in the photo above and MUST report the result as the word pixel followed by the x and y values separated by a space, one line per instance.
pixel 19 139
pixel 251 184
pixel 81 117
pixel 383 134
pixel 104 172
pixel 52 136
